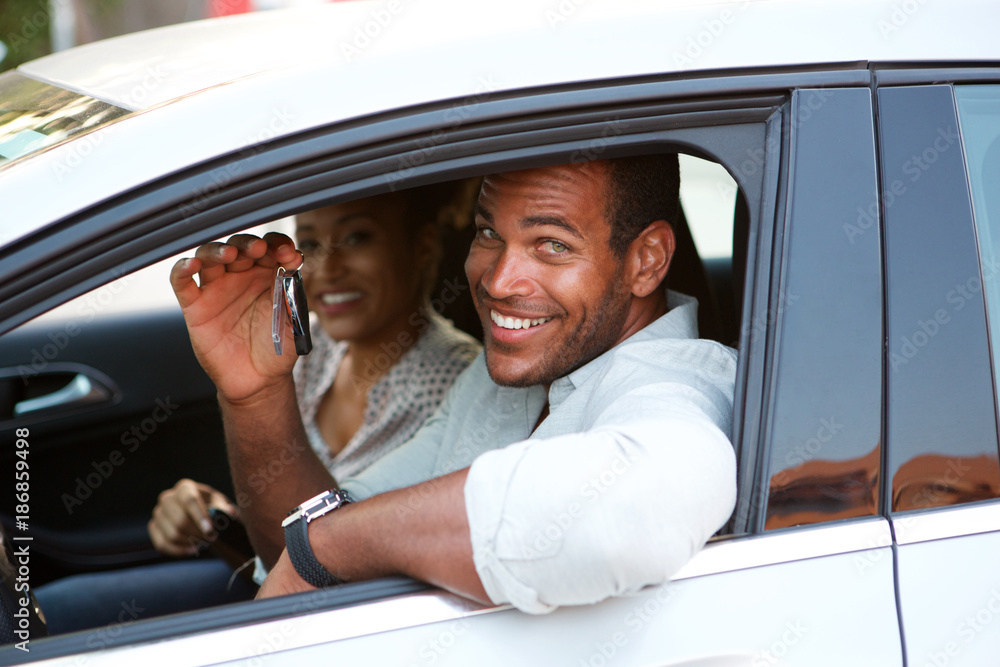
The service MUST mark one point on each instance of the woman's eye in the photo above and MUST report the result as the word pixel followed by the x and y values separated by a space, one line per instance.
pixel 355 238
pixel 308 246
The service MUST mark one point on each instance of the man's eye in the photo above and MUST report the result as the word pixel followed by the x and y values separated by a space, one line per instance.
pixel 488 234
pixel 555 247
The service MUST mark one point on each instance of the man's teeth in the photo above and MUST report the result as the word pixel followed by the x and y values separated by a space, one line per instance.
pixel 516 322
pixel 335 298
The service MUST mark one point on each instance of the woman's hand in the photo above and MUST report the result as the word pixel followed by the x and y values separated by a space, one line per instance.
pixel 228 314
pixel 181 524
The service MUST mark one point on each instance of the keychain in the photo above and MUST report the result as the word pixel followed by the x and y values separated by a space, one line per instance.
pixel 289 301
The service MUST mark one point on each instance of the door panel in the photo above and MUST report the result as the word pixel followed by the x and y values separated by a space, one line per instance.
pixel 949 585
pixel 777 599
pixel 98 464
pixel 751 618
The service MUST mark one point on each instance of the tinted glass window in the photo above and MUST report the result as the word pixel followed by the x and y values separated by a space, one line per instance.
pixel 979 115
pixel 35 115
pixel 941 429
pixel 827 308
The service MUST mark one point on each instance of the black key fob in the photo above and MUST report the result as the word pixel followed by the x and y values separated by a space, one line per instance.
pixel 290 305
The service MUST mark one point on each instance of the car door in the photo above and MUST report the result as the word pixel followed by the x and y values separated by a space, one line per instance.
pixel 940 149
pixel 806 560
pixel 806 575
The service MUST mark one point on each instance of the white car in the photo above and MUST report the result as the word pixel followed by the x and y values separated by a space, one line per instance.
pixel 859 150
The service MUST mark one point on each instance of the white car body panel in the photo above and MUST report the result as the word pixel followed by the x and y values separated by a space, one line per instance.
pixel 949 585
pixel 525 34
pixel 696 620
pixel 279 61
pixel 775 620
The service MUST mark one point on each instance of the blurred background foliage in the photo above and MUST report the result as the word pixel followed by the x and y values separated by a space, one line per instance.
pixel 24 30
pixel 26 25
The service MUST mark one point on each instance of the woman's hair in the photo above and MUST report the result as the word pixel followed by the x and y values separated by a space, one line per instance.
pixel 448 206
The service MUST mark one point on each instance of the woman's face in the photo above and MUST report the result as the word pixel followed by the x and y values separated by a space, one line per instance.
pixel 364 267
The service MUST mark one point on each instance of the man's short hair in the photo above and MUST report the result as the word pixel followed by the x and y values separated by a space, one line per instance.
pixel 640 190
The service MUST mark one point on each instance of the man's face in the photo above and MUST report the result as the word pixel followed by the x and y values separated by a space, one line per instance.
pixel 548 289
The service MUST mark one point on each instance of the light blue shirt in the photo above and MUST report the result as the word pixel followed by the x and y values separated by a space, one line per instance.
pixel 626 479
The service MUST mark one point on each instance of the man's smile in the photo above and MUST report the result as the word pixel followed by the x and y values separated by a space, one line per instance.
pixel 516 322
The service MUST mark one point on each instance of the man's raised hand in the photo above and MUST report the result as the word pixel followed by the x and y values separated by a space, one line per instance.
pixel 228 311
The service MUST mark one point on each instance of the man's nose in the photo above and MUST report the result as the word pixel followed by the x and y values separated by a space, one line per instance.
pixel 507 276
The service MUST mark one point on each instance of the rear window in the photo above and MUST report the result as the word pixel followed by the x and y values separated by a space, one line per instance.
pixel 36 115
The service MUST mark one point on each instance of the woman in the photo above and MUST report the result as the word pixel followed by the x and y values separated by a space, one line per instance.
pixel 381 363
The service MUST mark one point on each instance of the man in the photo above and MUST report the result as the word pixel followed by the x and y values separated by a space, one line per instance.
pixel 585 455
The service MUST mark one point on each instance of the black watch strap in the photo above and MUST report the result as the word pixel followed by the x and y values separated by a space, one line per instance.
pixel 303 558
pixel 296 527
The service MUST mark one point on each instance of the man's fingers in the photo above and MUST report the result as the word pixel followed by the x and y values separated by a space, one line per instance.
pixel 251 251
pixel 182 280
pixel 240 253
pixel 215 259
pixel 282 249
pixel 215 253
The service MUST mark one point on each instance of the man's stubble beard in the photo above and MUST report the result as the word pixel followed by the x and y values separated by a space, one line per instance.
pixel 598 333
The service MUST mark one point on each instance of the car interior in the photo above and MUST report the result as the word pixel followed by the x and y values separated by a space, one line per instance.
pixel 119 409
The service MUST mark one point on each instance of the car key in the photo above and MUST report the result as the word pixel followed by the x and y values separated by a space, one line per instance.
pixel 289 301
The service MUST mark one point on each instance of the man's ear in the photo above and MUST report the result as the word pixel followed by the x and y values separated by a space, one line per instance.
pixel 648 258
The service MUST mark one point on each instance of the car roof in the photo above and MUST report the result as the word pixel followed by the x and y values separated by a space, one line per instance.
pixel 519 43
pixel 208 88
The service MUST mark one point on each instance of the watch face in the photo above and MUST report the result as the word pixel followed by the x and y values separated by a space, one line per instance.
pixel 318 505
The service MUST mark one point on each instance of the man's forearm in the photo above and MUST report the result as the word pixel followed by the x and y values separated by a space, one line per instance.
pixel 273 467
pixel 421 531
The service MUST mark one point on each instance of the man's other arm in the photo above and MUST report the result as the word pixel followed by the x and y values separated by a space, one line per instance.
pixel 420 531
pixel 571 519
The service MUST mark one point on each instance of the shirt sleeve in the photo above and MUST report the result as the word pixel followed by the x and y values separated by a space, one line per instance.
pixel 574 519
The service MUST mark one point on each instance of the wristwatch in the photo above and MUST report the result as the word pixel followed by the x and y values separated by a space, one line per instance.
pixel 296 526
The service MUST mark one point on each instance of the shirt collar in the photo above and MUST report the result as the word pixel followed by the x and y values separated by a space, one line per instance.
pixel 680 321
